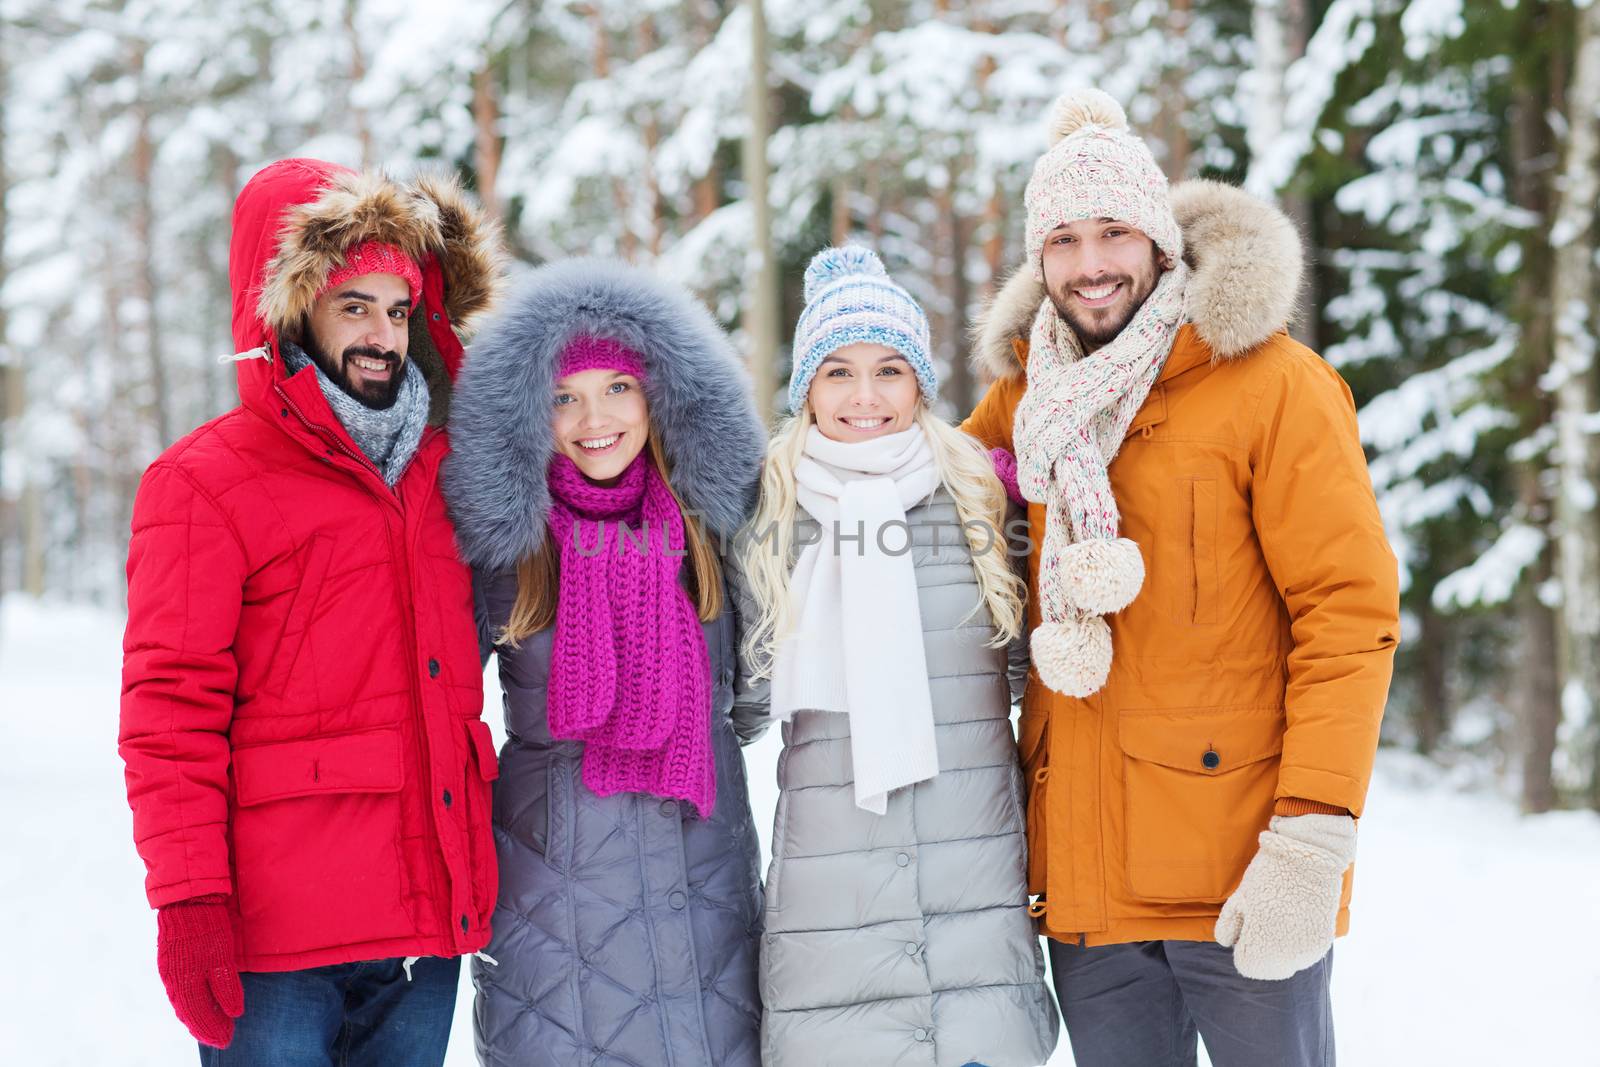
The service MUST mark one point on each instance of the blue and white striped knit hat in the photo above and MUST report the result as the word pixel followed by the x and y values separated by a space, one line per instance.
pixel 851 299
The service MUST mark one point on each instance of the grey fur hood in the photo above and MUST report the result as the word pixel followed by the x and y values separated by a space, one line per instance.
pixel 697 388
pixel 1246 261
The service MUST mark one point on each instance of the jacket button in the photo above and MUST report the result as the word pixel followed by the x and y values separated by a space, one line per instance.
pixel 920 1034
pixel 464 924
pixel 669 808
pixel 1211 759
pixel 447 798
pixel 677 900
pixel 902 860
pixel 911 950
pixel 433 668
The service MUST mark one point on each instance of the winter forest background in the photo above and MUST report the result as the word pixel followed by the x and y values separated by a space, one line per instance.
pixel 1441 157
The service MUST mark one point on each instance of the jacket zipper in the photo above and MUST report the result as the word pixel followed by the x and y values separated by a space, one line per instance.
pixel 330 438
pixel 426 778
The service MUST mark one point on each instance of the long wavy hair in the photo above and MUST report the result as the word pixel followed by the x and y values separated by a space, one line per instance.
pixel 539 574
pixel 766 544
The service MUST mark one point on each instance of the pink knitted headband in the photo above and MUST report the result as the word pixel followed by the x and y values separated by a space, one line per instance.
pixel 599 353
pixel 375 257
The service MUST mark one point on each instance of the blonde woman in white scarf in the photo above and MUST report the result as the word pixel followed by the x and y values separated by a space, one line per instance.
pixel 881 623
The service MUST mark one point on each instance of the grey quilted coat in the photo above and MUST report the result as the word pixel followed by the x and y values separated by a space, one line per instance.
pixel 905 939
pixel 626 930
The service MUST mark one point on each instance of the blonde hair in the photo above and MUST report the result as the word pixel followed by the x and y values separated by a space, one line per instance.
pixel 539 573
pixel 766 544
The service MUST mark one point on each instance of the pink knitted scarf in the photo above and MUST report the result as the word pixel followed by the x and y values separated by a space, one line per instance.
pixel 629 672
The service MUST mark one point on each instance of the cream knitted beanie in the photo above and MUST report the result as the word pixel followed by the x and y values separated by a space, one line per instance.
pixel 1097 169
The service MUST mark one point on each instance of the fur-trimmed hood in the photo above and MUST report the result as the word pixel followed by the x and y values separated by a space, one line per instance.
pixel 1245 259
pixel 293 222
pixel 698 392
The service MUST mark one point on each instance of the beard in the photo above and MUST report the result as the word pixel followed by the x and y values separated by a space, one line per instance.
pixel 1097 327
pixel 379 396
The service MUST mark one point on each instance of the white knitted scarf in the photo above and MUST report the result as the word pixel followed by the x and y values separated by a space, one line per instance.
pixel 1069 425
pixel 856 646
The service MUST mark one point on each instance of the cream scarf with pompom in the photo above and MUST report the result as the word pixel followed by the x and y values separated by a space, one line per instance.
pixel 1069 425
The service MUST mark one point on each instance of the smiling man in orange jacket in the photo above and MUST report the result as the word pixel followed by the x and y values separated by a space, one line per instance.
pixel 1214 608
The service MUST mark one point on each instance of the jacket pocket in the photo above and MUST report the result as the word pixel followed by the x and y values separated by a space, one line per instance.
pixel 316 841
pixel 297 620
pixel 1203 549
pixel 366 762
pixel 1036 777
pixel 780 844
pixel 1198 788
pixel 559 810
pixel 483 769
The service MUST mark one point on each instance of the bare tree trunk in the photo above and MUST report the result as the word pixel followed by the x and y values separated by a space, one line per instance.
pixel 358 71
pixel 1538 689
pixel 220 377
pixel 145 283
pixel 959 387
pixel 1280 29
pixel 707 190
pixel 1433 712
pixel 1175 97
pixel 1536 672
pixel 486 139
pixel 993 226
pixel 839 210
pixel 652 137
pixel 763 300
pixel 627 243
pixel 1572 377
pixel 874 191
pixel 10 368
pixel 33 540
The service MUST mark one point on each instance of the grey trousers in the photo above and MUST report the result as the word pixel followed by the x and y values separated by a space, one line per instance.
pixel 1145 1004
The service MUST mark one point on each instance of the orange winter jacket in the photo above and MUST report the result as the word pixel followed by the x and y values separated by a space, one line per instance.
pixel 1255 662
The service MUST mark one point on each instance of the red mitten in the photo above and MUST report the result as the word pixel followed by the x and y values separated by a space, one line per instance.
pixel 194 956
pixel 1005 468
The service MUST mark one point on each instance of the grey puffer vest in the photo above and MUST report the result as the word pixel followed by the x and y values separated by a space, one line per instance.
pixel 626 929
pixel 905 939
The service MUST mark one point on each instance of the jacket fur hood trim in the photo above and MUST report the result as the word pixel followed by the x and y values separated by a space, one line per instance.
pixel 1245 258
pixel 698 392
pixel 430 216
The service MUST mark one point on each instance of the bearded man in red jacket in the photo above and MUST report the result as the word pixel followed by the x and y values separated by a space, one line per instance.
pixel 306 765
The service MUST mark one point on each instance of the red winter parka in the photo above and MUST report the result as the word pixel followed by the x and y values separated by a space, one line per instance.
pixel 301 684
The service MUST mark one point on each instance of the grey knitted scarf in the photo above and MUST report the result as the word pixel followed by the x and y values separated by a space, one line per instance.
pixel 388 437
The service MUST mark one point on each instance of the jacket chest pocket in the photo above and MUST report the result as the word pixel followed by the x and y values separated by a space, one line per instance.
pixel 1188 552
pixel 317 554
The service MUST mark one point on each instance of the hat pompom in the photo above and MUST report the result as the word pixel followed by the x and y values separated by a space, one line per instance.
pixel 1077 108
pixel 831 264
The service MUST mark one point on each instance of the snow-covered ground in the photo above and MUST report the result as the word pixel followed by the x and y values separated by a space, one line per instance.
pixel 1477 931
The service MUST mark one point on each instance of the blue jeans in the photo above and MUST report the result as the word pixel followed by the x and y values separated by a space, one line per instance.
pixel 1147 1002
pixel 347 1015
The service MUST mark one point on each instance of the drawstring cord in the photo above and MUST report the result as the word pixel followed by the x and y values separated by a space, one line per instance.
pixel 406 964
pixel 259 352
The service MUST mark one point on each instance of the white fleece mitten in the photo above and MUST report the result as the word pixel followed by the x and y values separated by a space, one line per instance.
pixel 1281 918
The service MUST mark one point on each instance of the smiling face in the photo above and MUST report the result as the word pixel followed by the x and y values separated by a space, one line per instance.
pixel 1099 272
pixel 862 391
pixel 601 422
pixel 357 333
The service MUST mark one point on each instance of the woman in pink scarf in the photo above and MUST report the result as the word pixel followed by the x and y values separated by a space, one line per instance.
pixel 604 441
